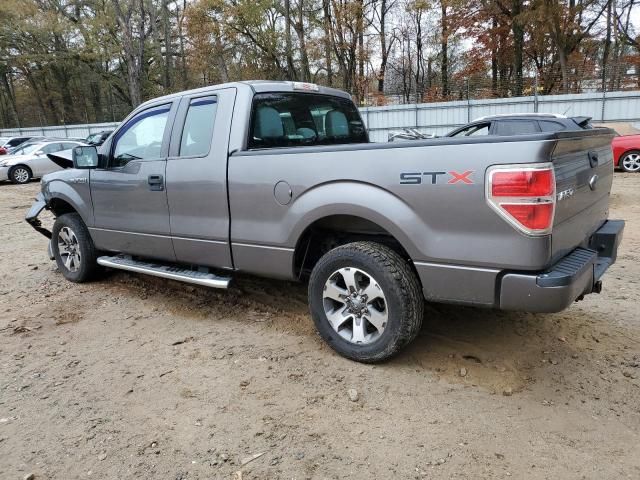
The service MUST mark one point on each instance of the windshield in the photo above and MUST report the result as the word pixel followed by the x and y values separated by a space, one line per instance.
pixel 27 149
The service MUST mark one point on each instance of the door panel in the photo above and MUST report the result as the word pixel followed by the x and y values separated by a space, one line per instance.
pixel 41 165
pixel 129 196
pixel 197 179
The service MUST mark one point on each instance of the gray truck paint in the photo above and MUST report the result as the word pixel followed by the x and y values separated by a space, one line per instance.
pixel 223 210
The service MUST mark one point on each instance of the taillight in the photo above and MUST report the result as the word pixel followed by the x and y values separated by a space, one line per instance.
pixel 524 195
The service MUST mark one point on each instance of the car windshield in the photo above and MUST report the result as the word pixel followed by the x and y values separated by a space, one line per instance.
pixel 27 149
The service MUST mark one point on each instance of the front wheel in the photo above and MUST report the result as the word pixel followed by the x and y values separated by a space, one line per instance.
pixel 366 301
pixel 630 162
pixel 20 174
pixel 73 248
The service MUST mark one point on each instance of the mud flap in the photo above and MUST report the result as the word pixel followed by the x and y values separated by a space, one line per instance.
pixel 32 215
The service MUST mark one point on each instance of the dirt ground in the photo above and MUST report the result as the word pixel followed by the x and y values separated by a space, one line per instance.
pixel 136 377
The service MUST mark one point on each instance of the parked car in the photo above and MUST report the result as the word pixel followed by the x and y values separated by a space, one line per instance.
pixel 279 179
pixel 31 161
pixel 626 152
pixel 520 124
pixel 30 141
pixel 98 138
pixel 7 143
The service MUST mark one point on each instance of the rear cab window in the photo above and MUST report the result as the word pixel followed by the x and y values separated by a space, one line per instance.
pixel 304 119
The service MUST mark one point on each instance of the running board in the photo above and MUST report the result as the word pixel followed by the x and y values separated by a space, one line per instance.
pixel 165 271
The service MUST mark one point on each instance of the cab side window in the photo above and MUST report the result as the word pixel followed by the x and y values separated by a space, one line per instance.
pixel 516 127
pixel 473 131
pixel 198 127
pixel 141 137
pixel 550 126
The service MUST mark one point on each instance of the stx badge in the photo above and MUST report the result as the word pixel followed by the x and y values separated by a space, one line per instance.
pixel 417 178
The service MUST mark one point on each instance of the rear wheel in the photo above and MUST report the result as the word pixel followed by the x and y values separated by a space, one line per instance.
pixel 73 248
pixel 630 161
pixel 20 174
pixel 366 301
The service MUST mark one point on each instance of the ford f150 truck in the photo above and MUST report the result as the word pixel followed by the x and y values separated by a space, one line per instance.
pixel 279 179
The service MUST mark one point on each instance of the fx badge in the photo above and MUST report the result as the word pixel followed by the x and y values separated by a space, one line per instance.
pixel 433 178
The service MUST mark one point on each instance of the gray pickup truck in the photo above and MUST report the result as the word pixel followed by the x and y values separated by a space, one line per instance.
pixel 278 179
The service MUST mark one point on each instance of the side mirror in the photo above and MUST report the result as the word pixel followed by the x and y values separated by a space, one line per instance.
pixel 85 157
pixel 39 153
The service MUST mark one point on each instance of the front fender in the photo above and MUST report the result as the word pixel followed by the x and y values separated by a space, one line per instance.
pixel 358 199
pixel 77 196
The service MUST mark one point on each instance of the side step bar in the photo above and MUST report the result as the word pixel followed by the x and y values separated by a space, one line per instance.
pixel 123 262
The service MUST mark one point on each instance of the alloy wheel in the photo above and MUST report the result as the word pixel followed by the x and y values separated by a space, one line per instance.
pixel 69 249
pixel 631 162
pixel 20 175
pixel 355 305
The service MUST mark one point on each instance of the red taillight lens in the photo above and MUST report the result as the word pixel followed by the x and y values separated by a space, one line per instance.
pixel 534 216
pixel 531 183
pixel 524 196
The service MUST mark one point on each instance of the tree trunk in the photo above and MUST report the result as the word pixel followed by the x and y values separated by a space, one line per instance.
pixel 12 111
pixel 168 52
pixel 291 69
pixel 444 51
pixel 383 46
pixel 328 39
pixel 518 45
pixel 304 57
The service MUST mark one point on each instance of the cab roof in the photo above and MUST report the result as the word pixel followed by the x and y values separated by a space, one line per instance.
pixel 258 86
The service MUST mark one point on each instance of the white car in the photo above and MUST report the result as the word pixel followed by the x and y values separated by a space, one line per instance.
pixel 31 161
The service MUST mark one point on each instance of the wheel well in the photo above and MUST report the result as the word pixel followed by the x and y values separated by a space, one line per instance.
pixel 330 232
pixel 60 207
pixel 21 165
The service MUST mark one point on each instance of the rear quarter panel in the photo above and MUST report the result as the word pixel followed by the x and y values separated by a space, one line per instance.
pixel 446 222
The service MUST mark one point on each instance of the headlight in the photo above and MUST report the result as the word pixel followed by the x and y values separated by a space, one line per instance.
pixel 4 164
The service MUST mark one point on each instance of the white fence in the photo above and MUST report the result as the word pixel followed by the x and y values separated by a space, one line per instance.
pixel 60 131
pixel 440 117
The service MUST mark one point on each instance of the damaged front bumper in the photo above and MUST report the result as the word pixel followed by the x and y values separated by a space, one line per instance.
pixel 32 215
pixel 33 220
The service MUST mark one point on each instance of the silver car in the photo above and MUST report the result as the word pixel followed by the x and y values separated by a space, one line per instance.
pixel 31 160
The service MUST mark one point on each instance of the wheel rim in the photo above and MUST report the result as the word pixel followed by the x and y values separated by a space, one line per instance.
pixel 355 305
pixel 631 162
pixel 21 175
pixel 69 249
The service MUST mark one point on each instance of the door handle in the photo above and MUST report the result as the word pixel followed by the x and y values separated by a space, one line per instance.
pixel 156 182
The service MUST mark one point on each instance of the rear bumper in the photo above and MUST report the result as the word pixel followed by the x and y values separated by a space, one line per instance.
pixel 573 276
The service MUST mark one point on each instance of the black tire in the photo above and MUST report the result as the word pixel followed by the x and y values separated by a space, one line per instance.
pixel 404 301
pixel 624 157
pixel 20 174
pixel 87 265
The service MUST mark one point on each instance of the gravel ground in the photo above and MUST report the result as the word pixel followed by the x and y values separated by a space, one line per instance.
pixel 136 377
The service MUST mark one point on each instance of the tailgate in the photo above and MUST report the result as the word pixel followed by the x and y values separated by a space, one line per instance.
pixel 583 165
